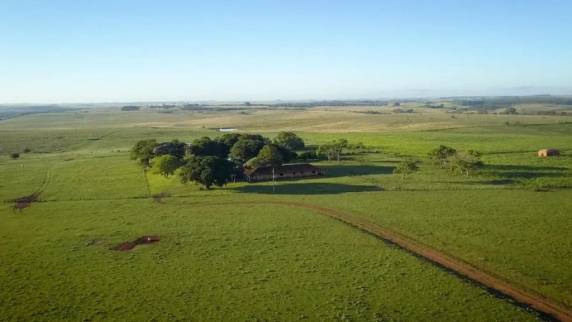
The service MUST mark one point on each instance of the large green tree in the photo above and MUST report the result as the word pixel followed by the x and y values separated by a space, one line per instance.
pixel 246 148
pixel 333 150
pixel 207 171
pixel 269 155
pixel 206 146
pixel 142 151
pixel 406 168
pixel 165 165
pixel 467 162
pixel 227 140
pixel 175 148
pixel 442 155
pixel 289 140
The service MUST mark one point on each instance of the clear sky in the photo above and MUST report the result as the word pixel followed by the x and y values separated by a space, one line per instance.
pixel 123 50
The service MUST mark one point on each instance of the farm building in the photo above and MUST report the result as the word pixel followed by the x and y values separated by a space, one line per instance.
pixel 297 170
pixel 548 153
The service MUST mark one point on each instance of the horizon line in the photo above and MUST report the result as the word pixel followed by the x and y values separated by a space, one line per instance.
pixel 389 98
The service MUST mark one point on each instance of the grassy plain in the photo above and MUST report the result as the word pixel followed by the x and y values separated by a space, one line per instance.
pixel 225 255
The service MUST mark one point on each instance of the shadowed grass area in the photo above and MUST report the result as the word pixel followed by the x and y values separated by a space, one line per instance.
pixel 303 188
pixel 524 171
pixel 342 170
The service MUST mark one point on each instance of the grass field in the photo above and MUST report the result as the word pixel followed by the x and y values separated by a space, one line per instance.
pixel 226 255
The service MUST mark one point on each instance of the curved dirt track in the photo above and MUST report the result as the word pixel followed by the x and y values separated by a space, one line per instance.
pixel 521 295
pixel 549 308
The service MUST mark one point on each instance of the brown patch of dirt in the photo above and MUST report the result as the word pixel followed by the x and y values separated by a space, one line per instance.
pixel 139 241
pixel 25 202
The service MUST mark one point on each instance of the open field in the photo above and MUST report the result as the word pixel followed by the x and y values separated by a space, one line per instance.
pixel 227 255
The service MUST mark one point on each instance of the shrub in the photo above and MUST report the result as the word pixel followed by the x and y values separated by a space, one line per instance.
pixel 307 155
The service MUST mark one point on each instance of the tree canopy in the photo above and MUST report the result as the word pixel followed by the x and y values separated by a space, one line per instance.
pixel 206 161
pixel 206 146
pixel 463 162
pixel 207 171
pixel 467 162
pixel 246 148
pixel 269 155
pixel 228 140
pixel 174 148
pixel 165 165
pixel 333 150
pixel 406 167
pixel 142 151
pixel 289 140
pixel 442 155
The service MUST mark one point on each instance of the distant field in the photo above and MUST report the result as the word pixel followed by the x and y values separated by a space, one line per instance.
pixel 323 119
pixel 223 260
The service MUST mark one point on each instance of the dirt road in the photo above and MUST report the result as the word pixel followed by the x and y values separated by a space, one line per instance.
pixel 519 294
pixel 549 308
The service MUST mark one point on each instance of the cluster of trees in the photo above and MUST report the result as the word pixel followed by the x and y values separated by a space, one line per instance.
pixel 214 161
pixel 335 149
pixel 16 155
pixel 447 158
pixel 406 167
pixel 463 162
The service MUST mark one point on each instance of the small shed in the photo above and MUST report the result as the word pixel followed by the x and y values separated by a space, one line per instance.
pixel 284 171
pixel 544 153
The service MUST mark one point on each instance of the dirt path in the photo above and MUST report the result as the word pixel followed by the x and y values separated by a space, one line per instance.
pixel 549 308
pixel 26 201
pixel 523 296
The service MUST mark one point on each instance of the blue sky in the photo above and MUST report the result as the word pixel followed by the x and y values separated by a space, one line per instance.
pixel 122 50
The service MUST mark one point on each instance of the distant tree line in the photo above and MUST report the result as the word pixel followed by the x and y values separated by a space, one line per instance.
pixel 165 106
pixel 128 108
pixel 332 103
pixel 486 104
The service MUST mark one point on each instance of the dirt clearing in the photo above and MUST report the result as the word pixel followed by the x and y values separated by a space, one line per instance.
pixel 139 241
pixel 25 202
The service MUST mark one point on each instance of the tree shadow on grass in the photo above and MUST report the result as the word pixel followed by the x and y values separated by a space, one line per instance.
pixel 313 188
pixel 494 182
pixel 524 171
pixel 343 170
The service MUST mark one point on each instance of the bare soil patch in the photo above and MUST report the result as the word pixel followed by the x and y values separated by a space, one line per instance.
pixel 126 246
pixel 25 201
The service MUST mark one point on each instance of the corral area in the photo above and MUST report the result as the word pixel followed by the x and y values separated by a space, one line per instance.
pixel 242 253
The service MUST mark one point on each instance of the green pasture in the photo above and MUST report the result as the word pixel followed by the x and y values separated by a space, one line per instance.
pixel 227 255
pixel 227 262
